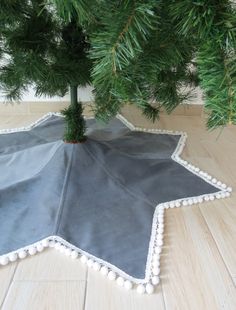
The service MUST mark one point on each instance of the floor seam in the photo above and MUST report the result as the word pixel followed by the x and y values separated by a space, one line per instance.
pixel 218 250
pixel 9 287
pixel 85 291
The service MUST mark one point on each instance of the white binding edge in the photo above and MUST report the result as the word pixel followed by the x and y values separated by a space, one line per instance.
pixel 152 272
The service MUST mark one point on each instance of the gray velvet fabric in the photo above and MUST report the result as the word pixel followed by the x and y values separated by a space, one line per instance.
pixel 99 195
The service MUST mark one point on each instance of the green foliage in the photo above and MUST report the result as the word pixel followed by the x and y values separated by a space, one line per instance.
pixel 217 72
pixel 41 49
pixel 75 123
pixel 147 53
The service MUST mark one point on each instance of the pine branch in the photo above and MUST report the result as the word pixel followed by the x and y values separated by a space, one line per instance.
pixel 123 39
pixel 75 9
pixel 217 72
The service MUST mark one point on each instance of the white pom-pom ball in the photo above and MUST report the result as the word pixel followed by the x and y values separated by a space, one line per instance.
pixel 57 246
pixel 96 266
pixel 52 243
pixel 156 271
pixel 104 270
pixel 206 198
pixel 32 250
pixel 160 231
pixel 62 248
pixel 90 263
pixel 84 259
pixel 157 249
pixel 128 285
pixel 45 243
pixel 159 242
pixel 177 204
pixel 195 200
pixel 74 254
pixel 229 189
pixel 190 201
pixel 149 288
pixel 39 247
pixel 156 257
pixel 185 203
pixel 141 289
pixel 111 275
pixel 22 254
pixel 200 199
pixel 13 257
pixel 4 260
pixel 155 280
pixel 120 281
pixel 68 252
pixel 156 263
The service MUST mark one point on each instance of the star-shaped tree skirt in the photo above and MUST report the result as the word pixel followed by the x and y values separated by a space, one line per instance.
pixel 102 201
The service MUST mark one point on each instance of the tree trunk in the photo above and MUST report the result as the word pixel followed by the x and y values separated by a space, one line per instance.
pixel 75 123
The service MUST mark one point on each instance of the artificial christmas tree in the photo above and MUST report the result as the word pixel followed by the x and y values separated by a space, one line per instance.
pixel 38 48
pixel 144 52
pixel 147 53
pixel 104 200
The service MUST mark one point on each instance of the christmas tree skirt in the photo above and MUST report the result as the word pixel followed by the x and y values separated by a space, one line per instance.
pixel 102 201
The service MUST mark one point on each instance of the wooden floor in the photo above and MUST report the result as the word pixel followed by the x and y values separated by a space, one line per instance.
pixel 198 264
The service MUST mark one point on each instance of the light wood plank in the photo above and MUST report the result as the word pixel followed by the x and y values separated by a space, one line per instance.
pixel 50 265
pixel 6 275
pixel 194 274
pixel 103 294
pixel 221 218
pixel 45 296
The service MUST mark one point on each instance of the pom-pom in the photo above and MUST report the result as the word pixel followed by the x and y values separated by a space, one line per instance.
pixel 111 275
pixel 156 271
pixel 177 204
pixel 68 251
pixel 104 270
pixel 22 254
pixel 74 254
pixel 39 247
pixel 13 257
pixel 155 280
pixel 120 281
pixel 149 288
pixel 96 266
pixel 128 285
pixel 90 263
pixel 45 243
pixel 32 250
pixel 4 260
pixel 141 289
pixel 84 259
pixel 52 243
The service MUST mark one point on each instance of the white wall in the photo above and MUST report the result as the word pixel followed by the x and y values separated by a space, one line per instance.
pixel 84 94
